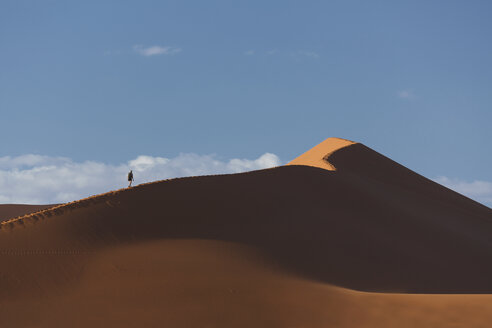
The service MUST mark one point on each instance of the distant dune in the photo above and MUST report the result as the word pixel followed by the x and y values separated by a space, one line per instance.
pixel 340 237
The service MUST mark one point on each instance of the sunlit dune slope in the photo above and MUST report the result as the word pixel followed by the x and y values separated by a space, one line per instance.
pixel 264 248
pixel 205 283
pixel 318 155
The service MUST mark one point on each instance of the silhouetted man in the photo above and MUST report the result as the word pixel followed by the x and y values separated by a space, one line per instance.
pixel 130 178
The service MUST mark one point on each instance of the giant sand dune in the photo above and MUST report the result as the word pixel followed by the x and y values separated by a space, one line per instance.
pixel 340 237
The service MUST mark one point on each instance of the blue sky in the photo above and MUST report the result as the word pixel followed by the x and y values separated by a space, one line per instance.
pixel 108 81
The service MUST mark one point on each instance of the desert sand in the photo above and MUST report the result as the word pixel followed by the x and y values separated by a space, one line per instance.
pixel 340 237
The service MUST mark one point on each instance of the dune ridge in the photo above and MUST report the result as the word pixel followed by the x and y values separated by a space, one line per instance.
pixel 49 211
pixel 319 155
pixel 8 211
pixel 33 213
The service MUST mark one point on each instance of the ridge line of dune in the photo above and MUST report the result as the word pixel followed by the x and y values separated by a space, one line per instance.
pixel 19 220
pixel 73 204
pixel 319 154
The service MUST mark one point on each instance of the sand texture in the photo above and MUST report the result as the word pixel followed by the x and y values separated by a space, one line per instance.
pixel 361 242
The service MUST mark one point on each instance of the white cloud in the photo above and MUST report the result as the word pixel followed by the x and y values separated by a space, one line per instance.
pixel 156 50
pixel 36 179
pixel 405 94
pixel 8 162
pixel 481 191
pixel 249 53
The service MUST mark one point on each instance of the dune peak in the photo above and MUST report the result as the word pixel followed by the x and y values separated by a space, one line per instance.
pixel 318 156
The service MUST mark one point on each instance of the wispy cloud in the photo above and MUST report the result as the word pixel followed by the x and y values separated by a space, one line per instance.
pixel 35 179
pixel 249 53
pixel 309 54
pixel 481 191
pixel 156 50
pixel 406 94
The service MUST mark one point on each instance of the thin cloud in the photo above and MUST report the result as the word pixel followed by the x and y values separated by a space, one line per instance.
pixel 309 54
pixel 249 53
pixel 481 191
pixel 35 179
pixel 156 50
pixel 405 94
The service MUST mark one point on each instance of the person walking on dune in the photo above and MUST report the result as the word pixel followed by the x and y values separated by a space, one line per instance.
pixel 130 178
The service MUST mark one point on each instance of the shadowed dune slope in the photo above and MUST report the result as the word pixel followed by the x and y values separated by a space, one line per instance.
pixel 8 211
pixel 261 248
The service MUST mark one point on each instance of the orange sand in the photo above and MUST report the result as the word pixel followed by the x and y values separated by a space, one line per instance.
pixel 318 155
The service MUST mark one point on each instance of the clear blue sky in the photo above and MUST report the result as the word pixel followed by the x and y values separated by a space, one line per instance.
pixel 410 79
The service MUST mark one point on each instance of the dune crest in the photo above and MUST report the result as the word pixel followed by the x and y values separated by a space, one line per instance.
pixel 8 211
pixel 318 156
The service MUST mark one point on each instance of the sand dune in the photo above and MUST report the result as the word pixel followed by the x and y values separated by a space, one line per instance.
pixel 281 247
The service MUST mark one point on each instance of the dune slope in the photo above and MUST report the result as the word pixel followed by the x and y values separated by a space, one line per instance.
pixel 264 248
